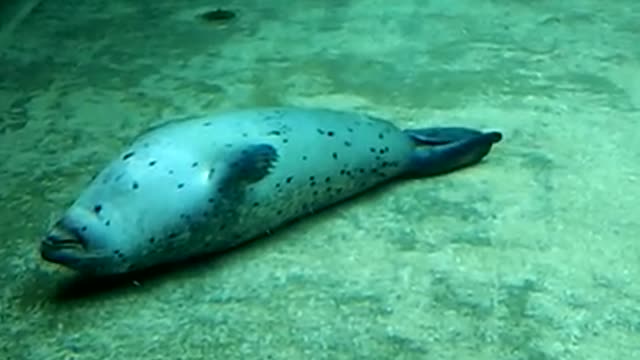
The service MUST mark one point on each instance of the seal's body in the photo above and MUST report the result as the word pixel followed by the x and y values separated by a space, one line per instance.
pixel 206 184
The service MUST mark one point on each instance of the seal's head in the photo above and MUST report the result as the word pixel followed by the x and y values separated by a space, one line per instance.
pixel 84 241
pixel 132 215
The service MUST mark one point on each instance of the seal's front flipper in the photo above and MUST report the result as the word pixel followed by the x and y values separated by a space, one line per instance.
pixel 252 163
pixel 244 166
pixel 454 148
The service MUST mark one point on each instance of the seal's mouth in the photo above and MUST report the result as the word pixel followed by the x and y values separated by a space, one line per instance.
pixel 62 245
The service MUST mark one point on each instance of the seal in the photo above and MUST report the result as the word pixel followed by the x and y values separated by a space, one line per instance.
pixel 206 184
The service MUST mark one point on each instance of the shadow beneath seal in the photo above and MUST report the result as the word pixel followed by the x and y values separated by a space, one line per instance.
pixel 83 287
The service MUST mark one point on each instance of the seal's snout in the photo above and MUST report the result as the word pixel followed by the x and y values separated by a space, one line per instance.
pixel 59 243
pixel 60 236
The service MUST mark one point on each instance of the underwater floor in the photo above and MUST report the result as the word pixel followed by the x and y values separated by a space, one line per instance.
pixel 532 254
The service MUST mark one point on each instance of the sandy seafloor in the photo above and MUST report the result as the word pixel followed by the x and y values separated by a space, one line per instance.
pixel 534 254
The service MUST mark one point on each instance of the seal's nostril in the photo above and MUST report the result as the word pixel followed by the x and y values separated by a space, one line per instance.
pixel 62 240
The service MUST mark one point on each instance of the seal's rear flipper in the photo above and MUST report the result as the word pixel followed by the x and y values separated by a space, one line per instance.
pixel 441 135
pixel 453 148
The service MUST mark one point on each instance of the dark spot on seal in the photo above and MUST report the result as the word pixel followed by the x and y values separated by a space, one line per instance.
pixel 381 151
pixel 274 132
pixel 194 164
pixel 208 123
pixel 335 155
pixel 313 183
pixel 347 143
pixel 107 223
pixel 210 200
pixel 372 150
pixel 152 162
pixel 170 172
pixel 285 140
pixel 245 134
pixel 217 15
pixel 328 179
pixel 315 193
pixel 277 185
pixel 320 131
pixel 128 155
pixel 135 185
pixel 180 186
pixel 97 209
pixel 279 212
pixel 84 228
pixel 349 129
pixel 330 133
pixel 256 204
pixel 342 172
pixel 223 226
pixel 311 178
pixel 152 240
pixel 329 189
pixel 338 190
pixel 304 158
pixel 380 136
pixel 173 235
pixel 361 171
pixel 289 179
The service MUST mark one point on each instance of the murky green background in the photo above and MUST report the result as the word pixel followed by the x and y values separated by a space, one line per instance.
pixel 533 254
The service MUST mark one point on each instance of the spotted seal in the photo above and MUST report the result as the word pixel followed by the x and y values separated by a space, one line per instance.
pixel 207 184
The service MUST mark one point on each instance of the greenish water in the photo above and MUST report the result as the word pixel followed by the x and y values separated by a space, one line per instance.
pixel 531 255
